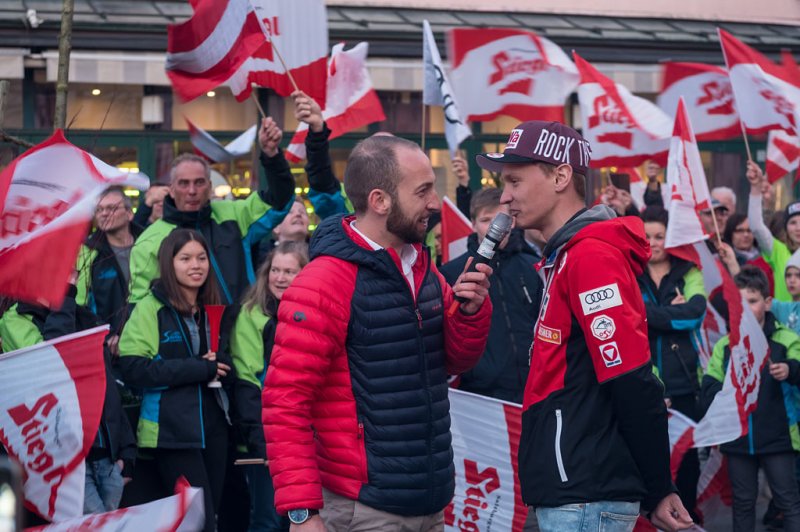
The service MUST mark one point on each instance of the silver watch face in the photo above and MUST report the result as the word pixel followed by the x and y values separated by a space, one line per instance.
pixel 298 516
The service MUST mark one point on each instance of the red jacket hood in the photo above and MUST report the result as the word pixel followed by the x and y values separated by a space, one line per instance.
pixel 625 233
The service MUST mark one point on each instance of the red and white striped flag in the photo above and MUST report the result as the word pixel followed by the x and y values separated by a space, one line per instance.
pixel 509 72
pixel 50 408
pixel 708 96
pixel 623 129
pixel 686 181
pixel 352 100
pixel 783 154
pixel 206 50
pixel 182 512
pixel 47 200
pixel 767 96
pixel 207 146
pixel 298 32
pixel 456 228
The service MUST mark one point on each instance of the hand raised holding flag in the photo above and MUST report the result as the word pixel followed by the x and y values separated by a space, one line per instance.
pixel 269 136
pixel 307 110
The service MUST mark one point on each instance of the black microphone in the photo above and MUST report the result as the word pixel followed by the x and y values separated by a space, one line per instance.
pixel 498 230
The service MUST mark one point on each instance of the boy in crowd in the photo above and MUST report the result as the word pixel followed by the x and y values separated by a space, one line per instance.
pixel 773 437
pixel 788 312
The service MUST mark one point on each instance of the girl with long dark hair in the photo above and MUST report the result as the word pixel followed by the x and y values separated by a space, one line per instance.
pixel 164 350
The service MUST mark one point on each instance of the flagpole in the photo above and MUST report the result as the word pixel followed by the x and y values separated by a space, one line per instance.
pixel 746 142
pixel 422 144
pixel 258 104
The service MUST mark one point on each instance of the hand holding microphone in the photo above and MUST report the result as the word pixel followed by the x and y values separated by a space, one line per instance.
pixel 472 286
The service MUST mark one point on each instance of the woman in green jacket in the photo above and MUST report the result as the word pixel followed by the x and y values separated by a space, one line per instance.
pixel 165 351
pixel 251 347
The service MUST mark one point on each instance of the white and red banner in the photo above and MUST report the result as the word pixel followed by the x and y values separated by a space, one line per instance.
pixel 207 146
pixel 436 90
pixel 509 72
pixel 47 200
pixel 623 129
pixel 206 50
pixel 352 100
pixel 456 229
pixel 182 512
pixel 708 96
pixel 50 409
pixel 767 95
pixel 486 436
pixel 783 154
pixel 687 184
pixel 298 32
pixel 726 418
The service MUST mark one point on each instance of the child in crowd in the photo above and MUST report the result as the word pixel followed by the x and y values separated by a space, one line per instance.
pixel 773 436
pixel 788 312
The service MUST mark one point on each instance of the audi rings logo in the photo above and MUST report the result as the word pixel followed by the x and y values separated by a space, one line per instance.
pixel 599 295
pixel 600 298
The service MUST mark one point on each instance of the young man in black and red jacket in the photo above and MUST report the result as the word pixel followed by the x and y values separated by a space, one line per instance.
pixel 594 447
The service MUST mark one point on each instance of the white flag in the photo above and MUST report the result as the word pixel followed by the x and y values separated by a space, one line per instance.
pixel 438 91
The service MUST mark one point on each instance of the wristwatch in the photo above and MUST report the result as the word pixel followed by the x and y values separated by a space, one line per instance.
pixel 301 515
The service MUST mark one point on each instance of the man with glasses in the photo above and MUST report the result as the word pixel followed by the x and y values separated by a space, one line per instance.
pixel 104 262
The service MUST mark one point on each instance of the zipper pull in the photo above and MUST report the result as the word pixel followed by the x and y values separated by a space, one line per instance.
pixel 525 291
pixel 419 317
pixel 360 431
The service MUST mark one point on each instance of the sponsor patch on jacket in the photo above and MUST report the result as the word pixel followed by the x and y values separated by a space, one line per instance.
pixel 610 354
pixel 603 327
pixel 548 334
pixel 600 298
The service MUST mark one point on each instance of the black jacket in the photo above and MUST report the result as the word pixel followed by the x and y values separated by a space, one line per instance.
pixel 516 293
pixel 102 285
pixel 115 439
pixel 157 356
pixel 673 329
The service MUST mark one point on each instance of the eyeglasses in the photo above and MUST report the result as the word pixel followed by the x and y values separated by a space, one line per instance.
pixel 110 209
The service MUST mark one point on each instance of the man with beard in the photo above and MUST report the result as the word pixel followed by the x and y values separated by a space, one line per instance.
pixel 356 394
pixel 594 447
pixel 104 262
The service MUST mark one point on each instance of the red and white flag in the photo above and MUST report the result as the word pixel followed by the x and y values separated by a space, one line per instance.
pixel 623 129
pixel 352 100
pixel 298 32
pixel 486 435
pixel 207 146
pixel 783 154
pixel 50 408
pixel 509 72
pixel 206 50
pixel 767 96
pixel 456 229
pixel 714 494
pixel 708 96
pixel 726 419
pixel 686 181
pixel 47 200
pixel 182 512
pixel 437 90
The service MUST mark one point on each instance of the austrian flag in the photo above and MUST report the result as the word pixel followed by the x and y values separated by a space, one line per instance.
pixel 207 49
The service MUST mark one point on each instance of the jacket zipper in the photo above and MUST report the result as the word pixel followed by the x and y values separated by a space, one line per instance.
pixel 559 459
pixel 363 454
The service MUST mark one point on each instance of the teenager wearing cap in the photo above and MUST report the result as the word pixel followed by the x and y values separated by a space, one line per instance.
pixel 594 448
pixel 775 251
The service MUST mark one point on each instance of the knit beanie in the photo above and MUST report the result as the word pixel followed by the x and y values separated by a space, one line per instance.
pixel 794 261
pixel 793 209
